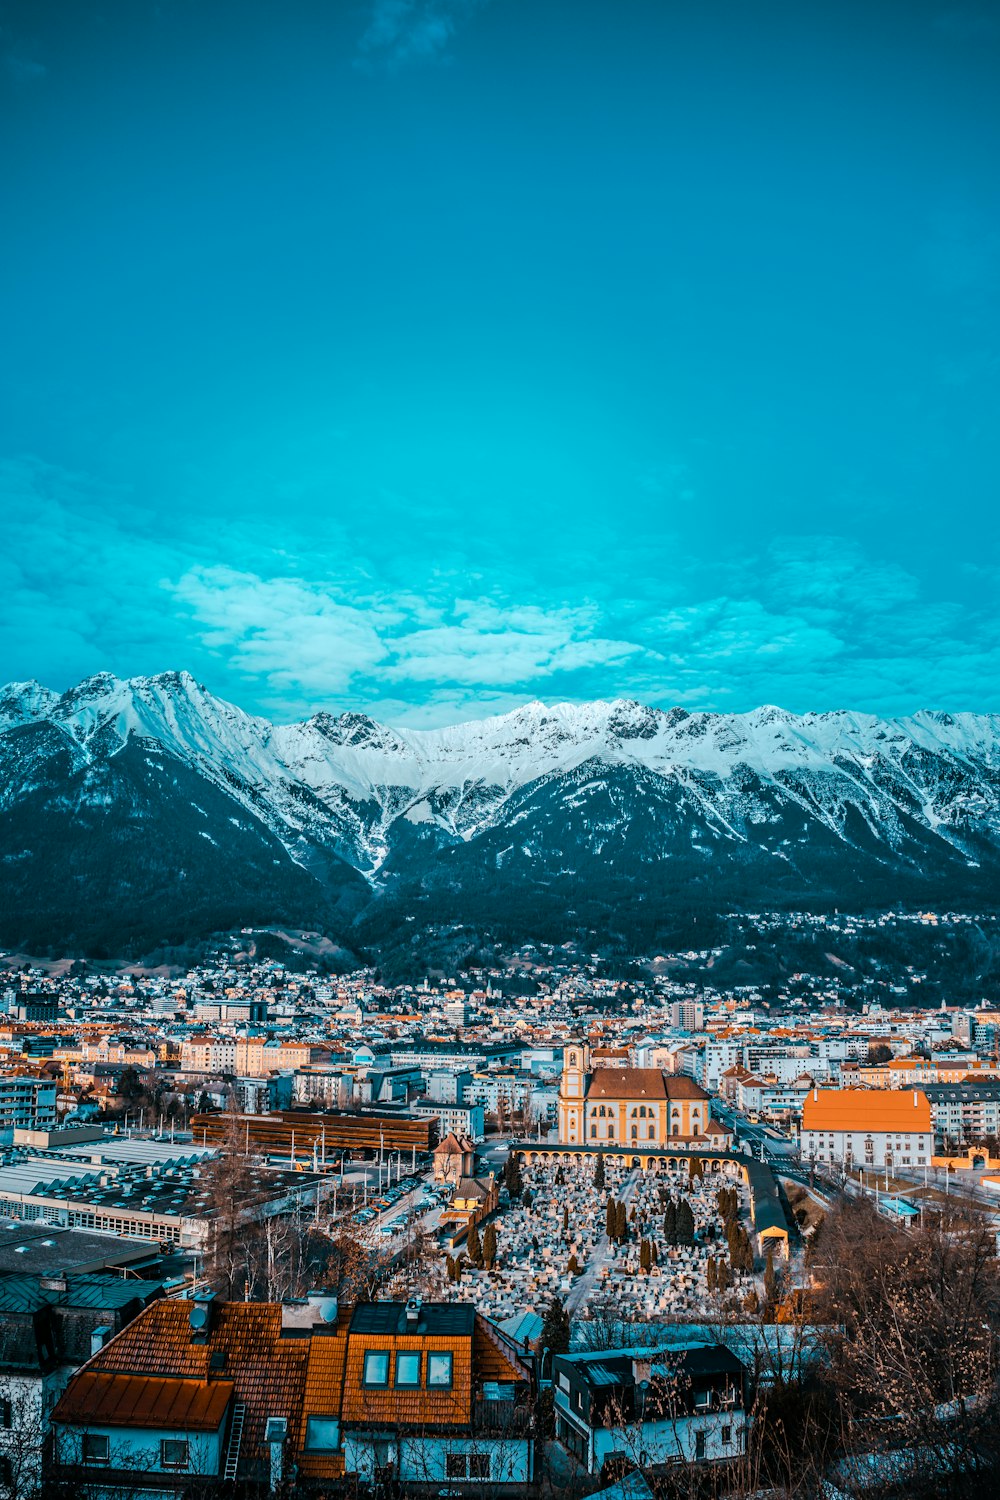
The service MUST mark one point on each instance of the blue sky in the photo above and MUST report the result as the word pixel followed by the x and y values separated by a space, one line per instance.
pixel 426 356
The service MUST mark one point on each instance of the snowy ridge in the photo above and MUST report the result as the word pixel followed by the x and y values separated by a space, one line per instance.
pixel 354 786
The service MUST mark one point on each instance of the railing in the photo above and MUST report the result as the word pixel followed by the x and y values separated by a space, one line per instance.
pixel 501 1417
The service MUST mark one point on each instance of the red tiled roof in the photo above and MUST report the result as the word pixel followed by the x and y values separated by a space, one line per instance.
pixel 145 1401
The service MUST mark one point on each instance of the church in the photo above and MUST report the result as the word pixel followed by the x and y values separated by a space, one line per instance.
pixel 637 1107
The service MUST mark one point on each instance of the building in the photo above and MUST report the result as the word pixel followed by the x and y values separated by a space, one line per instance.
pixel 632 1107
pixel 688 1015
pixel 26 1104
pixel 675 1405
pixel 867 1127
pixel 250 1392
pixel 454 1159
pixel 52 1324
pixel 459 1119
pixel 960 1112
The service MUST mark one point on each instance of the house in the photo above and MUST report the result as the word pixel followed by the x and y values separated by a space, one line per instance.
pixel 49 1326
pixel 655 1407
pixel 259 1392
pixel 434 1393
pixel 187 1389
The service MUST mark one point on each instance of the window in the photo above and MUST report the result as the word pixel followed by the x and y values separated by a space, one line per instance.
pixel 699 1445
pixel 376 1367
pixel 96 1448
pixel 322 1434
pixel 454 1465
pixel 173 1453
pixel 6 1414
pixel 439 1370
pixel 408 1369
pixel 479 1466
pixel 726 1436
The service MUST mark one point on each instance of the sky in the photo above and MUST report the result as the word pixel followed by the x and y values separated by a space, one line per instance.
pixel 425 357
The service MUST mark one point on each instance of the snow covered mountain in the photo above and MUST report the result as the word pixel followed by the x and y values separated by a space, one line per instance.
pixel 610 801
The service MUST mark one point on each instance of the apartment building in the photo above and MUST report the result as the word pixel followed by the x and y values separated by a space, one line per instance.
pixel 968 1111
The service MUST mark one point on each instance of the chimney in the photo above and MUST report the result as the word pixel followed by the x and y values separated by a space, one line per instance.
pixel 274 1437
pixel 412 1314
pixel 98 1338
pixel 200 1317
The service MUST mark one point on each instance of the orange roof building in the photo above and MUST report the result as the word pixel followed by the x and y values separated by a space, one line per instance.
pixel 867 1127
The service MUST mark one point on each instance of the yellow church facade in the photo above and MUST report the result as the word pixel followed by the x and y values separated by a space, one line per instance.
pixel 632 1107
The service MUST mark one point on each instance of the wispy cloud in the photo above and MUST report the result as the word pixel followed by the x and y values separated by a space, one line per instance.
pixel 404 32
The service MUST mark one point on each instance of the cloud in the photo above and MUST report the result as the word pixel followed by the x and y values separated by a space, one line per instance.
pixel 289 632
pixel 403 32
pixel 297 634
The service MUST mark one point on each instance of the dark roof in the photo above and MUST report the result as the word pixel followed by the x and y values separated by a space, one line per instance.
pixel 439 1319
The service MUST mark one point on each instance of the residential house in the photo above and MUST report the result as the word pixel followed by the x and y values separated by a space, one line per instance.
pixel 657 1407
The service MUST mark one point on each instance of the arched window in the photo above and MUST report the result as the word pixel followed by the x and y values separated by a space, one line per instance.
pixel 635 1132
pixel 652 1133
pixel 611 1130
pixel 642 1111
pixel 593 1131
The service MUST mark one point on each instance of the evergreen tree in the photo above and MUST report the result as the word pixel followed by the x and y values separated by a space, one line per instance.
pixel 489 1247
pixel 572 1266
pixel 685 1223
pixel 644 1258
pixel 655 1254
pixel 599 1171
pixel 621 1223
pixel 710 1273
pixel 565 1218
pixel 513 1180
pixel 611 1219
pixel 695 1168
pixel 473 1247
pixel 723 1276
pixel 555 1328
pixel 670 1223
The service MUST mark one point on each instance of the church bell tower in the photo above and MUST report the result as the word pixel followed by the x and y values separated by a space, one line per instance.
pixel 573 1092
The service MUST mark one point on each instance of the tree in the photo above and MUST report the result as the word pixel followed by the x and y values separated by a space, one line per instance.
pixel 573 1266
pixel 770 1283
pixel 599 1171
pixel 621 1222
pixel 473 1247
pixel 556 1328
pixel 489 1247
pixel 565 1218
pixel 695 1168
pixel 644 1257
pixel 513 1180
pixel 611 1219
pixel 670 1222
pixel 710 1276
pixel 685 1223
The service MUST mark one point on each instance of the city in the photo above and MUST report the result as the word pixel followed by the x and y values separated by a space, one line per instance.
pixel 515 1156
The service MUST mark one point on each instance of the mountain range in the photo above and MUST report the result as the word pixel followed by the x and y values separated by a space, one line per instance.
pixel 142 812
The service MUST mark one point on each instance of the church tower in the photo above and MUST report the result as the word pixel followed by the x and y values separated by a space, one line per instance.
pixel 573 1092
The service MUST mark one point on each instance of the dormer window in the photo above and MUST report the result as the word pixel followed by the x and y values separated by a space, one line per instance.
pixel 376 1371
pixel 439 1371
